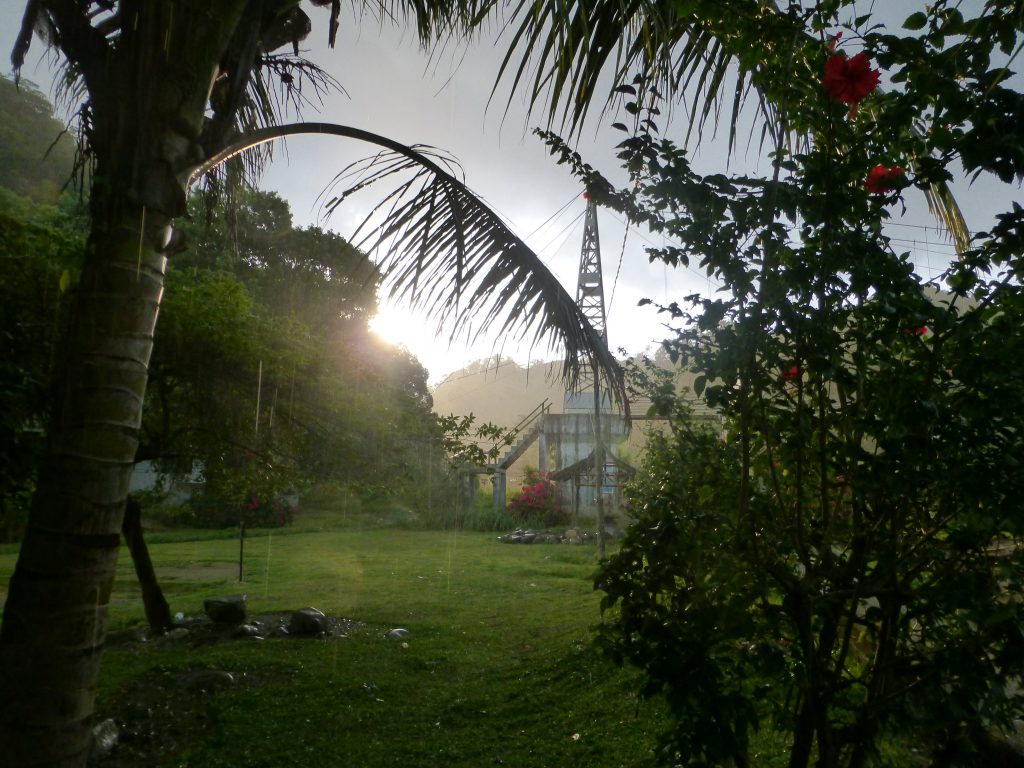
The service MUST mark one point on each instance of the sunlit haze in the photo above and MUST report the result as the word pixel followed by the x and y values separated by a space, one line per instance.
pixel 444 101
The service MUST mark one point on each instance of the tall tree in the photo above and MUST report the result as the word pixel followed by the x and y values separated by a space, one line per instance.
pixel 40 246
pixel 36 152
pixel 264 369
pixel 843 570
pixel 167 86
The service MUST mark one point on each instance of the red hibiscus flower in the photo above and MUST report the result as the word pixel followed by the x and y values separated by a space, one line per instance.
pixel 919 331
pixel 850 80
pixel 883 178
pixel 791 373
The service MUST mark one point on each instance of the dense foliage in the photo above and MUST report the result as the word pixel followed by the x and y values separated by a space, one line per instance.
pixel 40 246
pixel 36 151
pixel 839 563
pixel 41 240
pixel 264 378
pixel 265 373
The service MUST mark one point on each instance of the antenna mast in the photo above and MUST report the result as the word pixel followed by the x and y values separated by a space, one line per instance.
pixel 590 300
pixel 590 288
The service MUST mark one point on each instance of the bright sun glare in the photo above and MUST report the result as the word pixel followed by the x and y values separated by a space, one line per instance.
pixel 402 327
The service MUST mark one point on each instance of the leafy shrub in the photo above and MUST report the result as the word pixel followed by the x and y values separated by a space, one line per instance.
pixel 536 504
pixel 257 511
pixel 844 569
pixel 274 512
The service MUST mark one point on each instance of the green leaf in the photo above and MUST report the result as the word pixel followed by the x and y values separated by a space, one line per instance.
pixel 705 494
pixel 916 21
pixel 65 281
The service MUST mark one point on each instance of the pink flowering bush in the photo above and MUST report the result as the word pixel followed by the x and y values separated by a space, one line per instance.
pixel 266 513
pixel 537 504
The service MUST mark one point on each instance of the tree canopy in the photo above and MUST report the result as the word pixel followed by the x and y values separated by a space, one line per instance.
pixel 36 151
pixel 832 576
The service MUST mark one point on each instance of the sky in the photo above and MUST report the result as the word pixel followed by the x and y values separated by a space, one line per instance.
pixel 443 99
pixel 396 89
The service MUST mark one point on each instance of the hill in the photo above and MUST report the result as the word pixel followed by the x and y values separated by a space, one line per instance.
pixel 500 392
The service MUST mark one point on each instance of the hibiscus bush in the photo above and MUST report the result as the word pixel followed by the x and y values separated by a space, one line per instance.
pixel 838 570
pixel 537 502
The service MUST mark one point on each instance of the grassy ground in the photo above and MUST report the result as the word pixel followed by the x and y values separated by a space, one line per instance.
pixel 497 669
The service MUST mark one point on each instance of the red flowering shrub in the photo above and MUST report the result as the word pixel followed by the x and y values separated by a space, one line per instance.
pixel 792 373
pixel 850 80
pixel 883 178
pixel 260 513
pixel 536 503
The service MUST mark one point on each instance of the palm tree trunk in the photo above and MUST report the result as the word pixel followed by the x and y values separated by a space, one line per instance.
pixel 149 92
pixel 55 617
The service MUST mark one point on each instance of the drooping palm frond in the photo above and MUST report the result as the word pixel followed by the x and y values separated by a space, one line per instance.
pixel 562 51
pixel 448 253
pixel 30 21
pixel 280 87
pixel 562 54
pixel 944 207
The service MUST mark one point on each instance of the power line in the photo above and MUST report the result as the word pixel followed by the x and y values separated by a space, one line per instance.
pixel 933 228
pixel 553 216
pixel 618 269
pixel 563 233
pixel 638 233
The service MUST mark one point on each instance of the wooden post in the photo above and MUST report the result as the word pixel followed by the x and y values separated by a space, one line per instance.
pixel 241 548
pixel 500 489
pixel 598 464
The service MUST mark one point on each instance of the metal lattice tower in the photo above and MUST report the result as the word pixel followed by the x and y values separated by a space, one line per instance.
pixel 590 288
pixel 590 299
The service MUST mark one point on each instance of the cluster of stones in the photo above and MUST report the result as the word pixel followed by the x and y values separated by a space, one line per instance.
pixel 232 611
pixel 231 614
pixel 569 536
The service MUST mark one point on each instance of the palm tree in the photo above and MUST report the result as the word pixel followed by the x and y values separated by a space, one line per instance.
pixel 166 88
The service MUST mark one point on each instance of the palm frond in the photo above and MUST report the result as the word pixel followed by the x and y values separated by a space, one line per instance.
pixel 449 254
pixel 279 86
pixel 29 21
pixel 944 207
pixel 560 51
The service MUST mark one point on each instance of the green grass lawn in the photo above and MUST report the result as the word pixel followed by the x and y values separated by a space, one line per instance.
pixel 498 668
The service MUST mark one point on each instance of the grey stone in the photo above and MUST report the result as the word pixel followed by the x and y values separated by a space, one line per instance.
pixel 105 736
pixel 178 633
pixel 246 630
pixel 226 610
pixel 307 621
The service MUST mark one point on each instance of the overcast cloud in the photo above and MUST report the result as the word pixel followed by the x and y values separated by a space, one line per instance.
pixel 396 89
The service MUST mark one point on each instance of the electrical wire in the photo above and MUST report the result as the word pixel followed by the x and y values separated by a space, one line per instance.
pixel 618 269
